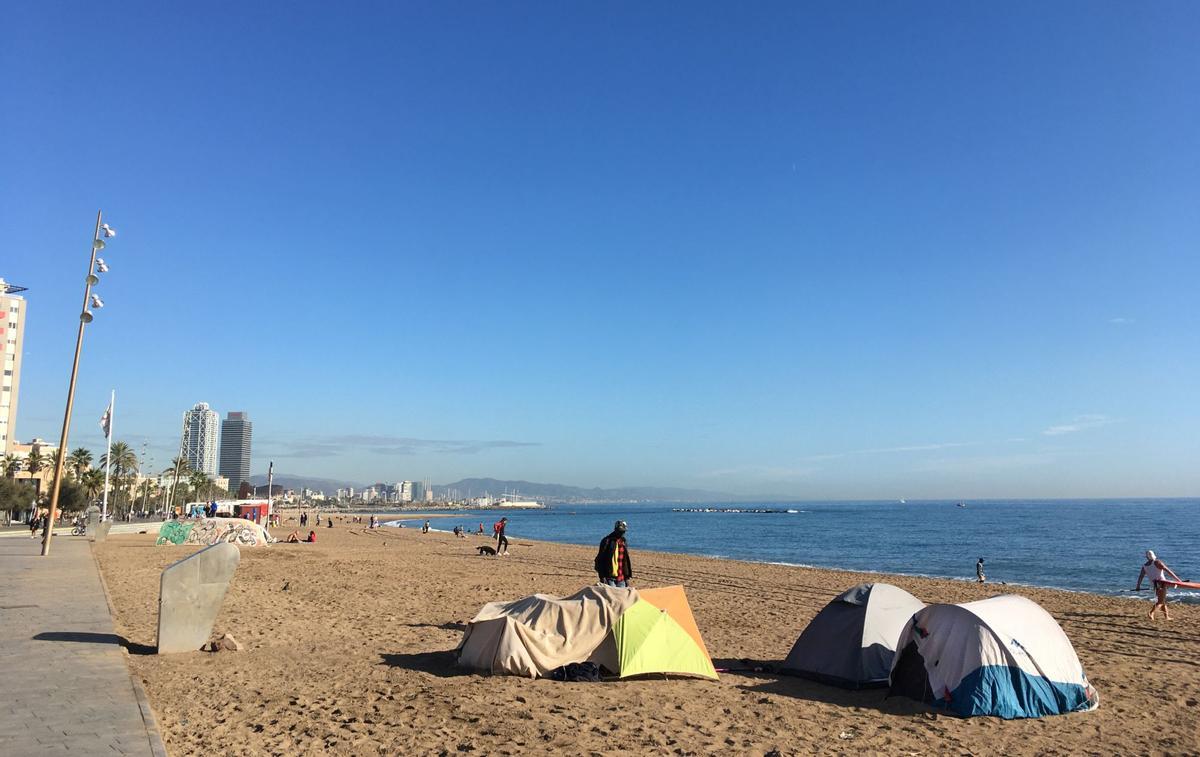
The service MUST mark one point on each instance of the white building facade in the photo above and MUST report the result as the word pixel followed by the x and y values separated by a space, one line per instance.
pixel 199 443
pixel 12 339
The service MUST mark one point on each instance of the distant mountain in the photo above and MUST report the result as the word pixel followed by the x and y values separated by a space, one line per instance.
pixel 288 481
pixel 477 487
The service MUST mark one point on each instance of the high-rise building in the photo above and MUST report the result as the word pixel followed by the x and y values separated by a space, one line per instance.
pixel 12 340
pixel 199 443
pixel 406 491
pixel 235 449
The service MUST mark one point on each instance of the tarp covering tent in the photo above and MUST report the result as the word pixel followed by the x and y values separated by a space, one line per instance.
pixel 1003 656
pixel 851 642
pixel 627 631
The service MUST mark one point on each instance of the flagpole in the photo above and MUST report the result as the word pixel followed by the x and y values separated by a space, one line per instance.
pixel 270 478
pixel 112 403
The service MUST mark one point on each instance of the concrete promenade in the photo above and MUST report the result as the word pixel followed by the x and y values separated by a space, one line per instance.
pixel 66 689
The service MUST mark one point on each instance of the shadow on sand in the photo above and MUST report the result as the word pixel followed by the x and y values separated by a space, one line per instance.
pixel 88 637
pixel 771 681
pixel 443 664
pixel 443 626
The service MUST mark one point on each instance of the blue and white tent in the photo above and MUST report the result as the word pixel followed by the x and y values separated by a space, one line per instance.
pixel 1003 656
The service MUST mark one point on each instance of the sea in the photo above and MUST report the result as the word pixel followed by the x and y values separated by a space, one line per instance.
pixel 1093 545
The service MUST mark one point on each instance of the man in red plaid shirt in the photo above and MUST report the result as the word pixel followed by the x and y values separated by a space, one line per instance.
pixel 612 561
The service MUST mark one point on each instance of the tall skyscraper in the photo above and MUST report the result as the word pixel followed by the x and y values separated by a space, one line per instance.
pixel 199 443
pixel 12 340
pixel 235 449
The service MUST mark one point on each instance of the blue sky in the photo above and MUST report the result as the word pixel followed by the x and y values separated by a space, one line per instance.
pixel 806 250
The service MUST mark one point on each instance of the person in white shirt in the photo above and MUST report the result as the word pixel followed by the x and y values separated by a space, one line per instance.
pixel 1158 573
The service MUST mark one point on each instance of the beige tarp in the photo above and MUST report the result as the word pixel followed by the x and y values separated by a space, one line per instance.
pixel 534 635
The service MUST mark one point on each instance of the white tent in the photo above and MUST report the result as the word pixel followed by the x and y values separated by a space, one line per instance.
pixel 1003 656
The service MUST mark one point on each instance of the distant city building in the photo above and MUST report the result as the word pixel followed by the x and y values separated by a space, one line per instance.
pixel 235 449
pixel 199 443
pixel 12 342
pixel 406 491
pixel 47 453
pixel 418 491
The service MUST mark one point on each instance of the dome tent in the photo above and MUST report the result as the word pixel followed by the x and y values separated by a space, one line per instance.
pixel 851 642
pixel 1004 656
pixel 628 631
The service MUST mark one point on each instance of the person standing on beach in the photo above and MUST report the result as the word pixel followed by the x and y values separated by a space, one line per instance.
pixel 501 539
pixel 979 572
pixel 612 560
pixel 1158 573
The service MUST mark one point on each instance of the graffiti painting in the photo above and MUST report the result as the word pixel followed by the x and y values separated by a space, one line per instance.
pixel 174 531
pixel 209 531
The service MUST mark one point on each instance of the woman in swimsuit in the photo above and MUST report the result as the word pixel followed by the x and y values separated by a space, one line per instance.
pixel 1158 573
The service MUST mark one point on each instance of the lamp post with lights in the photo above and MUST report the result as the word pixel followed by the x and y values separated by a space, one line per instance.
pixel 95 265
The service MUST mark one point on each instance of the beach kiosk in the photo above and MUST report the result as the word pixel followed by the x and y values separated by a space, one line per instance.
pixel 255 511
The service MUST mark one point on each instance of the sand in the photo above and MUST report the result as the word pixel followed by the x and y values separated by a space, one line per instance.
pixel 350 650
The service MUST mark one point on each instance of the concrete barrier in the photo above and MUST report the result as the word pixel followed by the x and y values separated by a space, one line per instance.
pixel 190 595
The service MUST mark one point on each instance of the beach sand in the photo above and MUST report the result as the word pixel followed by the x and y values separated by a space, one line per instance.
pixel 350 650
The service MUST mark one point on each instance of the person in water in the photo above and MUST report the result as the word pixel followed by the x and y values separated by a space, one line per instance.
pixel 979 571
pixel 1158 573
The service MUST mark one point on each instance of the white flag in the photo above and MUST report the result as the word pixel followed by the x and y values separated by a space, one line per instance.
pixel 106 420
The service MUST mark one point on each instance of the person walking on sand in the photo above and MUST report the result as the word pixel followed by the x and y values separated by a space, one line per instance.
pixel 501 539
pixel 612 560
pixel 979 576
pixel 1158 573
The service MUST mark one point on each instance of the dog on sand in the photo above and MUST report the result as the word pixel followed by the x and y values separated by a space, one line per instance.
pixel 487 551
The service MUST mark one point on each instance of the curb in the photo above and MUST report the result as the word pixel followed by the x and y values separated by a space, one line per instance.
pixel 157 747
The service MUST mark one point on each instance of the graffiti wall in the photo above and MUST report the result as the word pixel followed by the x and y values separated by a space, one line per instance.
pixel 174 531
pixel 209 531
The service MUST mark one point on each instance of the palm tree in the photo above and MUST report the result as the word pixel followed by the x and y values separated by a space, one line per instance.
pixel 123 461
pixel 12 465
pixel 34 463
pixel 79 460
pixel 93 483
pixel 200 483
pixel 178 466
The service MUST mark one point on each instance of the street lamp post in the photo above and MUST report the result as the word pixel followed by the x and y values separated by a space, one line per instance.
pixel 85 317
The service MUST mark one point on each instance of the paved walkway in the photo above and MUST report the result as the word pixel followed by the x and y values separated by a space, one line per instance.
pixel 66 689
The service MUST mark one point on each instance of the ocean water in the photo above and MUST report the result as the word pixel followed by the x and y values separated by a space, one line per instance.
pixel 1081 545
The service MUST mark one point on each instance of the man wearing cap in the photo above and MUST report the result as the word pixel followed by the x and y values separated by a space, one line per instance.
pixel 612 561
